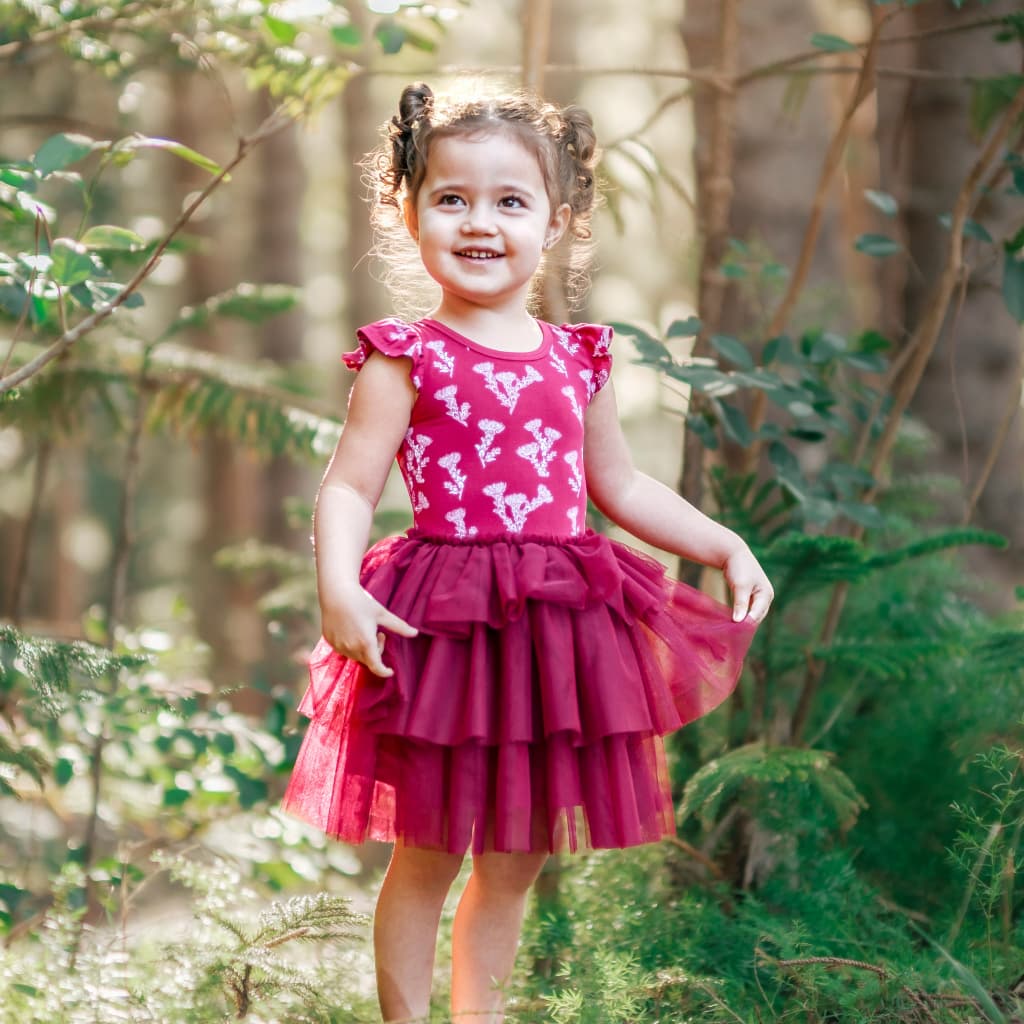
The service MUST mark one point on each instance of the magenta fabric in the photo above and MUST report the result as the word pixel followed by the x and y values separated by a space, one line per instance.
pixel 495 442
pixel 528 714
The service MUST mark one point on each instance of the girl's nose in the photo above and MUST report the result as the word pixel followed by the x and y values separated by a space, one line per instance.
pixel 480 221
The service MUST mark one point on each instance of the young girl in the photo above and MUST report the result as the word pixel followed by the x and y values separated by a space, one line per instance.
pixel 499 677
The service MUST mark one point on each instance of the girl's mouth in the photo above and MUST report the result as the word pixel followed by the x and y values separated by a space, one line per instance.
pixel 478 254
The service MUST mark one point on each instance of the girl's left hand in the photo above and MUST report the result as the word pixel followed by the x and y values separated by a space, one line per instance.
pixel 752 592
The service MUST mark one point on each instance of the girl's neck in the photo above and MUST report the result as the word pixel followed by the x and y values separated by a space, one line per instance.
pixel 506 327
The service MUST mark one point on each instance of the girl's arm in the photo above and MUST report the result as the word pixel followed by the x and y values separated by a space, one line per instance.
pixel 378 416
pixel 656 514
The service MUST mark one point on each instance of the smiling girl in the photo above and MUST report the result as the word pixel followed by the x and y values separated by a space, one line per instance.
pixel 499 678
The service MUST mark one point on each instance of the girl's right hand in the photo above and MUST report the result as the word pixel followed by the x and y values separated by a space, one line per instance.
pixel 351 625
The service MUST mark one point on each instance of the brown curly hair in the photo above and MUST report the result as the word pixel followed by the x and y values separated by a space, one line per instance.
pixel 562 139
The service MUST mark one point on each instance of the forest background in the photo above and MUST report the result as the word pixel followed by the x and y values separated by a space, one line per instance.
pixel 811 247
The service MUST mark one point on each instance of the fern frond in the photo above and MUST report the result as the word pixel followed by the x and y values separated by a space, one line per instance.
pixel 50 664
pixel 939 542
pixel 751 774
pixel 896 661
pixel 194 393
pixel 800 563
pixel 29 759
pixel 1000 653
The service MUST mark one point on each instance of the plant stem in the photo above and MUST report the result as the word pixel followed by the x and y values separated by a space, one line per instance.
pixel 39 475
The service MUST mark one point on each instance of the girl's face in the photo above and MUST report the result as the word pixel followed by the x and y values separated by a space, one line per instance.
pixel 482 219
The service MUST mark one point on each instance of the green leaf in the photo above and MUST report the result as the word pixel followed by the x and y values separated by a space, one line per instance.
pixel 347 35
pixel 878 246
pixel 831 44
pixel 254 303
pixel 734 271
pixel 280 31
pixel 1013 286
pixel 732 349
pixel 63 771
pixel 175 797
pixel 16 177
pixel 704 430
pixel 71 262
pixel 107 291
pixel 780 348
pixel 688 328
pixel 136 142
pixel 882 201
pixel 13 298
pixel 109 236
pixel 390 35
pixel 734 422
pixel 972 229
pixel 60 151
pixel 989 96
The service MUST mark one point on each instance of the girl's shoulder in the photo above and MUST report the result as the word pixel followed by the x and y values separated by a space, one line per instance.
pixel 595 339
pixel 390 336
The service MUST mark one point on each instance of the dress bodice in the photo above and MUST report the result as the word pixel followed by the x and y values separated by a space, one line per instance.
pixel 495 439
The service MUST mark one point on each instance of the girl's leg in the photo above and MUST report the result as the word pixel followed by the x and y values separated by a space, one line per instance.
pixel 405 928
pixel 486 931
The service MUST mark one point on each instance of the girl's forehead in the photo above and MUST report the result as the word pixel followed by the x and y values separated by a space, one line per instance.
pixel 480 154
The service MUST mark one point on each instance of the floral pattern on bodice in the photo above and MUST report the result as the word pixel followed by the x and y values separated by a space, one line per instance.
pixel 495 439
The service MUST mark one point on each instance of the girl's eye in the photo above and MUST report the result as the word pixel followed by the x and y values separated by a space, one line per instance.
pixel 512 202
pixel 449 199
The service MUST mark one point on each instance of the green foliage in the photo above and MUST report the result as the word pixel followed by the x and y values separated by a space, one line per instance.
pixel 229 964
pixel 761 779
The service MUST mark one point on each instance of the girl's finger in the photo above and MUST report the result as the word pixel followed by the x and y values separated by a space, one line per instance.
pixel 760 604
pixel 370 656
pixel 740 603
pixel 391 621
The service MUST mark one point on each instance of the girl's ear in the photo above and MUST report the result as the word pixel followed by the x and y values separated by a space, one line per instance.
pixel 412 222
pixel 560 218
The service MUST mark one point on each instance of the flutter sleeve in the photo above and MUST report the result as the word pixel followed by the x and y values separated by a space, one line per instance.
pixel 391 337
pixel 595 340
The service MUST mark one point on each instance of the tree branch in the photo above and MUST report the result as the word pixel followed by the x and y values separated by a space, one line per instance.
pixel 274 123
pixel 833 158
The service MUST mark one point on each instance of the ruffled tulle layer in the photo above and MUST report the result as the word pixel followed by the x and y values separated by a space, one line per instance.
pixel 528 712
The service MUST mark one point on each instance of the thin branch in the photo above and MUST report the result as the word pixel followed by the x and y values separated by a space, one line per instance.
pixel 21 555
pixel 272 124
pixel 1012 410
pixel 698 77
pixel 663 105
pixel 23 315
pixel 833 159
pixel 834 961
pixel 697 855
pixel 787 63
pixel 921 344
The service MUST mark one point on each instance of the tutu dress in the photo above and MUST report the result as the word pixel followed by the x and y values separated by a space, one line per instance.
pixel 528 712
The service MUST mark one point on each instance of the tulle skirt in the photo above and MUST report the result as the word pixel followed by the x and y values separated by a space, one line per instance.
pixel 528 714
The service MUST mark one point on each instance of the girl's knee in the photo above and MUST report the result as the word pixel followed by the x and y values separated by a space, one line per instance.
pixel 425 869
pixel 507 872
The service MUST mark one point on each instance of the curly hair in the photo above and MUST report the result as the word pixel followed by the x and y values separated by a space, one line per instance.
pixel 562 139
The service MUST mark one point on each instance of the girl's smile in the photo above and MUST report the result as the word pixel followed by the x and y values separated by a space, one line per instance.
pixel 482 219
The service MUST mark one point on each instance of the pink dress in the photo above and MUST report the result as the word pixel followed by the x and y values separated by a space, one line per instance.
pixel 528 712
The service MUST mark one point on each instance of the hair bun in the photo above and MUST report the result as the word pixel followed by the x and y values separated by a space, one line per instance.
pixel 416 104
